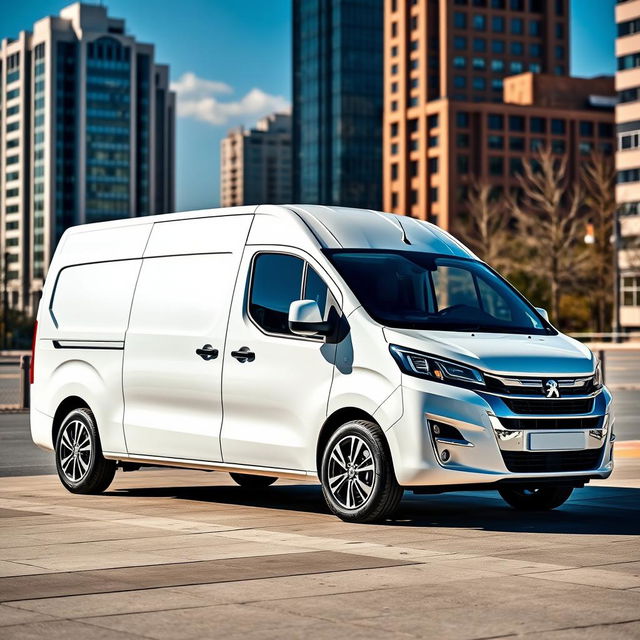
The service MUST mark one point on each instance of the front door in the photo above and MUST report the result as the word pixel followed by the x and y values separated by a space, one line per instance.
pixel 172 373
pixel 276 385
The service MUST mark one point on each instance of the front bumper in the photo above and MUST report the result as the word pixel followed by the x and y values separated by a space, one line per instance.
pixel 486 448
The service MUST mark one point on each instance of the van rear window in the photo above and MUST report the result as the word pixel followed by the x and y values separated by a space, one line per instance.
pixel 94 298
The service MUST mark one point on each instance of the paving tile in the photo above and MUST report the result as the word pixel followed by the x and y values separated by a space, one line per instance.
pixel 10 615
pixel 63 629
pixel 593 577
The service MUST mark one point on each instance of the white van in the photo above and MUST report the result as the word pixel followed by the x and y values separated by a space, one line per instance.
pixel 370 351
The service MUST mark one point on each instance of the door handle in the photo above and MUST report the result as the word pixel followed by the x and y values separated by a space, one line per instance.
pixel 207 352
pixel 244 354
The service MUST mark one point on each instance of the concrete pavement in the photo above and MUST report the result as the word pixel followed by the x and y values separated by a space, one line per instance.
pixel 181 554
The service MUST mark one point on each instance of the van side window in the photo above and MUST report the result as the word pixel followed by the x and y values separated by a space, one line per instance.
pixel 276 283
pixel 316 289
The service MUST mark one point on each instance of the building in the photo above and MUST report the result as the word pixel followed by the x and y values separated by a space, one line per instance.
pixel 255 164
pixel 628 160
pixel 441 52
pixel 337 102
pixel 88 128
pixel 451 141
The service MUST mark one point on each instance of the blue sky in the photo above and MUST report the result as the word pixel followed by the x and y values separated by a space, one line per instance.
pixel 231 60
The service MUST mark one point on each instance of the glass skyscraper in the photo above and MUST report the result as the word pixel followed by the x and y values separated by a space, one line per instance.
pixel 337 102
pixel 88 128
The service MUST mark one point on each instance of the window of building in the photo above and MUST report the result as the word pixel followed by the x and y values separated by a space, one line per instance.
pixel 479 45
pixel 12 192
pixel 535 67
pixel 413 83
pixel 412 125
pixel 462 141
pixel 630 291
pixel 394 105
pixel 536 144
pixel 559 52
pixel 496 121
pixel 459 43
pixel 479 64
pixel 559 7
pixel 517 26
pixel 605 129
pixel 559 70
pixel 413 144
pixel 394 51
pixel 515 66
pixel 413 46
pixel 497 65
pixel 535 50
pixel 462 119
pixel 558 146
pixel 433 141
pixel 585 148
pixel 479 3
pixel 606 148
pixel 516 123
pixel 413 64
pixel 628 175
pixel 517 48
pixel 586 128
pixel 629 27
pixel 461 3
pixel 433 165
pixel 497 84
pixel 14 93
pixel 535 28
pixel 459 20
pixel 630 61
pixel 516 166
pixel 394 200
pixel 433 121
pixel 516 143
pixel 463 164
pixel 413 196
pixel 413 168
pixel 394 69
pixel 629 208
pixel 480 22
pixel 394 149
pixel 479 83
pixel 496 165
pixel 498 4
pixel 413 101
pixel 537 124
pixel 394 171
pixel 498 46
pixel 459 82
pixel 12 159
pixel 459 62
pixel 394 129
pixel 433 194
pixel 394 29
pixel 558 126
pixel 559 30
pixel 516 5
pixel 495 142
pixel 497 24
pixel 414 23
pixel 394 87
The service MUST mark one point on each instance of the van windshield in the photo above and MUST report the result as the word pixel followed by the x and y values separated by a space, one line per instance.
pixel 408 289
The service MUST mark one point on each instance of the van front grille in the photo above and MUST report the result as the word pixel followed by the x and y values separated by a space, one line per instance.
pixel 518 424
pixel 552 461
pixel 545 406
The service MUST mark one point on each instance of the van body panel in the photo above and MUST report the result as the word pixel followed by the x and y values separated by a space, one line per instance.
pixel 173 404
pixel 266 421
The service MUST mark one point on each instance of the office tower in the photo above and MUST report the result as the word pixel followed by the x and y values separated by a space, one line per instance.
pixel 255 164
pixel 628 160
pixel 337 102
pixel 441 52
pixel 88 128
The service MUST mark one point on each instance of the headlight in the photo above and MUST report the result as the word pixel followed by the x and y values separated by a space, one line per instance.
pixel 423 365
pixel 597 376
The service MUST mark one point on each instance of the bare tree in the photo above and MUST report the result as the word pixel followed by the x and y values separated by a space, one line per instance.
pixel 549 215
pixel 486 228
pixel 599 178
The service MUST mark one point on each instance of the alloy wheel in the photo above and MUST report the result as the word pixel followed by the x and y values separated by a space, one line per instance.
pixel 351 472
pixel 75 450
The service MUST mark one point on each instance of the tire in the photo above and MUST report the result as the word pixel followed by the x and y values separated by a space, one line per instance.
pixel 248 481
pixel 535 498
pixel 79 461
pixel 358 481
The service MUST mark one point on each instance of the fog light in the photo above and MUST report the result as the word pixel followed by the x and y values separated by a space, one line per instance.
pixel 445 455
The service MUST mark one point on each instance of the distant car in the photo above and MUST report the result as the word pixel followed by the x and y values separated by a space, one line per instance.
pixel 371 351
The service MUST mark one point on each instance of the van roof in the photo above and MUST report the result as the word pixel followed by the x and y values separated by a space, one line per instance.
pixel 331 227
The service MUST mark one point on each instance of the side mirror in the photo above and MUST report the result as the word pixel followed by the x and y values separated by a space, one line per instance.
pixel 305 319
pixel 543 313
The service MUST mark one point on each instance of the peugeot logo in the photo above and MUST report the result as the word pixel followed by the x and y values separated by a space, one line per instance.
pixel 551 389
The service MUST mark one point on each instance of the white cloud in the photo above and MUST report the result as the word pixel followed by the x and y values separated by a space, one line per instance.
pixel 198 99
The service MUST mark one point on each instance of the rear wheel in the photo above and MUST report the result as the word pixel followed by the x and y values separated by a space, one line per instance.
pixel 535 498
pixel 248 481
pixel 79 460
pixel 357 476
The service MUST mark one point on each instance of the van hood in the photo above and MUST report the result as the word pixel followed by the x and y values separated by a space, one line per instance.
pixel 501 353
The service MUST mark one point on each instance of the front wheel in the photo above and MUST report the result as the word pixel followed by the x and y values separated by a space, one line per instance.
pixel 358 482
pixel 79 460
pixel 535 498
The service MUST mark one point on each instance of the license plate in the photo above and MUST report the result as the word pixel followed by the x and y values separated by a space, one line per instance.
pixel 557 440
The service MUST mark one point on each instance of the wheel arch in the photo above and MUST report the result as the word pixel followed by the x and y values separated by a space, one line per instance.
pixel 64 408
pixel 333 423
